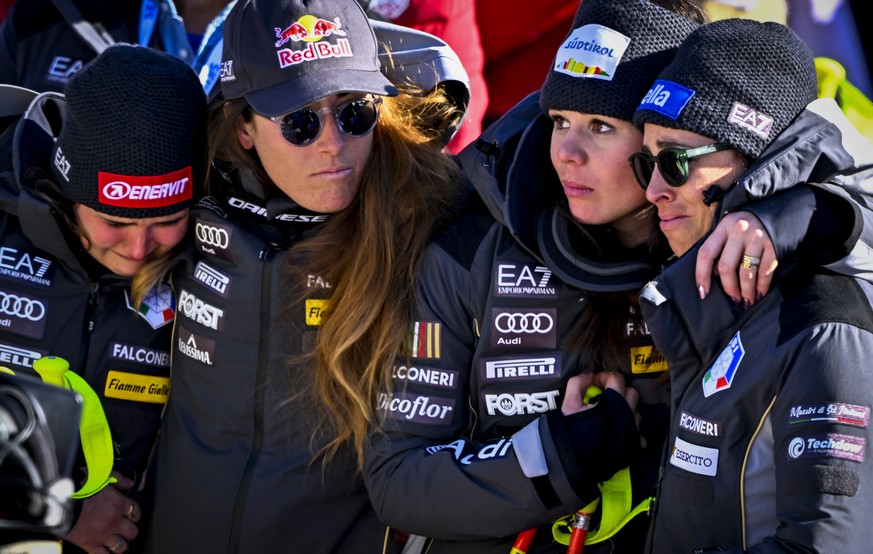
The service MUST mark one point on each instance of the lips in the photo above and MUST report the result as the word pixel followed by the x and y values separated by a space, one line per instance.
pixel 575 189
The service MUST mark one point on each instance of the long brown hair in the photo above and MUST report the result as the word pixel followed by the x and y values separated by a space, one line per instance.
pixel 368 252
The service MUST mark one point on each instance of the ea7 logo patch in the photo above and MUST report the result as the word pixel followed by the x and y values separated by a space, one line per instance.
pixel 722 372
pixel 24 266
pixel 519 280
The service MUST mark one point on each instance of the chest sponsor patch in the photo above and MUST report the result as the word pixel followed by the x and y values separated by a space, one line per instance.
pixel 832 445
pixel 316 309
pixel 200 312
pixel 520 280
pixel 830 412
pixel 721 374
pixel 62 68
pixel 23 314
pixel 647 359
pixel 158 306
pixel 521 403
pixel 527 367
pixel 21 265
pixel 694 458
pixel 140 355
pixel 426 340
pixel 699 425
pixel 213 238
pixel 197 348
pixel 18 357
pixel 442 378
pixel 430 410
pixel 212 278
pixel 138 388
pixel 523 328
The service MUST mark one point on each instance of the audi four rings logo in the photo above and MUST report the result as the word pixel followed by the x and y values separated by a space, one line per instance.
pixel 20 306
pixel 524 323
pixel 212 236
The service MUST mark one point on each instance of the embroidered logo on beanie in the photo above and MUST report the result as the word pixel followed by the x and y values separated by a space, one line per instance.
pixel 133 139
pixel 591 51
pixel 667 98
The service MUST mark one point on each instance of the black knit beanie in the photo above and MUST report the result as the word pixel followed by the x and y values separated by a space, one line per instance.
pixel 133 140
pixel 614 52
pixel 737 81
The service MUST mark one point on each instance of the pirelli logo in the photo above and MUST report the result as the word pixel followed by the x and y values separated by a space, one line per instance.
pixel 136 387
pixel 426 339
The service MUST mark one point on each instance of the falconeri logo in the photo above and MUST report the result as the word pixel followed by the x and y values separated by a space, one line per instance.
pixel 156 191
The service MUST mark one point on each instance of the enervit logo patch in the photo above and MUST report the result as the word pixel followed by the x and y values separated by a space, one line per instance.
pixel 150 191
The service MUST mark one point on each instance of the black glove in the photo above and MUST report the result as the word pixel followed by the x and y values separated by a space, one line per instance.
pixel 599 441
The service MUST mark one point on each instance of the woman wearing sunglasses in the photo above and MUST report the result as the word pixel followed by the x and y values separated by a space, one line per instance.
pixel 326 184
pixel 769 446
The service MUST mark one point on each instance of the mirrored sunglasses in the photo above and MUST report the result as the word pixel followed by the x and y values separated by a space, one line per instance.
pixel 355 118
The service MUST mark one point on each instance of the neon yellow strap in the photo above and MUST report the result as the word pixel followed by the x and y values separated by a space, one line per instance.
pixel 94 431
pixel 832 83
pixel 616 512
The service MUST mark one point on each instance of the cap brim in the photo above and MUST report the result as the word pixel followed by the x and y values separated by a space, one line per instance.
pixel 295 93
pixel 15 100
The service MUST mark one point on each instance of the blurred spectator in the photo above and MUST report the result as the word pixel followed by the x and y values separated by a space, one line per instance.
pixel 40 49
pixel 454 21
pixel 4 7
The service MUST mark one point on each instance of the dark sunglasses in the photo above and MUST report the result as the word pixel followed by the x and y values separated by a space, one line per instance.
pixel 355 118
pixel 671 162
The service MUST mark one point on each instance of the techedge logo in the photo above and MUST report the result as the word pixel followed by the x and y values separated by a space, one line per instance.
pixel 833 445
pixel 521 403
pixel 261 211
pixel 200 312
pixel 24 266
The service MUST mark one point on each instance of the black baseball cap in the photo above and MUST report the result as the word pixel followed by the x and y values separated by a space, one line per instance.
pixel 281 55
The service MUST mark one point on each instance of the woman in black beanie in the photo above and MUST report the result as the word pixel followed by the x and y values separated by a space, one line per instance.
pixel 769 447
pixel 95 212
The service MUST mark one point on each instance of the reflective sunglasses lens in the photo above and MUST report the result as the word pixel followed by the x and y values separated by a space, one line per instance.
pixel 301 127
pixel 642 165
pixel 358 118
pixel 672 167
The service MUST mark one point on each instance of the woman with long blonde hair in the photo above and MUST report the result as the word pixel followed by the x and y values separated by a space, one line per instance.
pixel 327 183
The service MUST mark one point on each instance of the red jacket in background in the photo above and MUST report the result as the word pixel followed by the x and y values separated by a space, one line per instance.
pixel 520 39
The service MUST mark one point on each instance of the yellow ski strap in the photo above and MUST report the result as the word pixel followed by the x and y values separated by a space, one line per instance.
pixel 615 506
pixel 94 431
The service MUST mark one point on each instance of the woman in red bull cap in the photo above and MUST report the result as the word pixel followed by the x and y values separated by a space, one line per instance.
pixel 95 211
pixel 325 187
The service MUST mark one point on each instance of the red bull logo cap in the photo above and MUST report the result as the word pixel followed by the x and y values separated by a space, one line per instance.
pixel 282 55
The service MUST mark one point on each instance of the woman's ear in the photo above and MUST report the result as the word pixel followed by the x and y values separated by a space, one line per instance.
pixel 243 128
